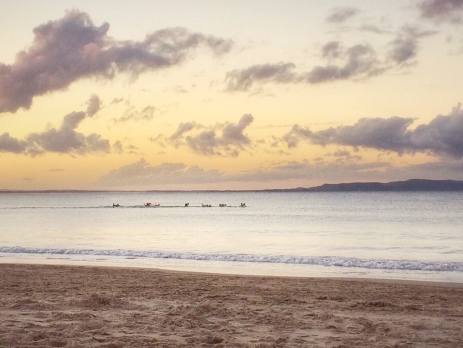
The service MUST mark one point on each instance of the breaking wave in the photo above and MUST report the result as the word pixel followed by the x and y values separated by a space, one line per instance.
pixel 383 264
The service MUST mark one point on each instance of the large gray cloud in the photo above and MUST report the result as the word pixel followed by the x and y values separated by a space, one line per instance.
pixel 64 139
pixel 382 134
pixel 228 140
pixel 442 10
pixel 442 136
pixel 72 48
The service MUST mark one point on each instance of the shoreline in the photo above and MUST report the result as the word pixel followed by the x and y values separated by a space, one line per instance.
pixel 107 306
pixel 112 266
pixel 243 268
pixel 247 269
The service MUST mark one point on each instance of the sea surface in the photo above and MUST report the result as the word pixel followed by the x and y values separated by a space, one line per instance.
pixel 387 235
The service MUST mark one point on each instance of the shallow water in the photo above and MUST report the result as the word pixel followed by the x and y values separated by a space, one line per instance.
pixel 382 235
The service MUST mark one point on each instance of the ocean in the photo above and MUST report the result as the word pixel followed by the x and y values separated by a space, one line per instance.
pixel 386 235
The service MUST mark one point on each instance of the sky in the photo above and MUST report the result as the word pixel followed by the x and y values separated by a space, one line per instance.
pixel 228 95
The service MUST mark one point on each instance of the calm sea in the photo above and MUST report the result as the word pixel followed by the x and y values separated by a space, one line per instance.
pixel 416 236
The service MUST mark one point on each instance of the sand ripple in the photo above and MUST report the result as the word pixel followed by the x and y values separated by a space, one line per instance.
pixel 63 306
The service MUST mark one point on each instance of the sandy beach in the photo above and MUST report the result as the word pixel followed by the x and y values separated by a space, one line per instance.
pixel 77 306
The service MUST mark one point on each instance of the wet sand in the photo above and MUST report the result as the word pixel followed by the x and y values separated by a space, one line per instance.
pixel 77 306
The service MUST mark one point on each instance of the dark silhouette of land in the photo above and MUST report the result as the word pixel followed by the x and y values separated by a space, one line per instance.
pixel 398 186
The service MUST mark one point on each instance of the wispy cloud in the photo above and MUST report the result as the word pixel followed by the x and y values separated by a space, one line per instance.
pixel 342 14
pixel 132 114
pixel 356 62
pixel 66 50
pixel 143 174
pixel 242 80
pixel 339 62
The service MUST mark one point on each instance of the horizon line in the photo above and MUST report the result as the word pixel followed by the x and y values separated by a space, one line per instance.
pixel 300 188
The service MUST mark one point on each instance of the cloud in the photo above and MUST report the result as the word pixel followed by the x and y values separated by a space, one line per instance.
pixel 374 28
pixel 381 134
pixel 64 139
pixel 116 101
pixel 345 155
pixel 66 50
pixel 326 172
pixel 142 175
pixel 355 62
pixel 340 15
pixel 133 114
pixel 331 50
pixel 404 47
pixel 442 136
pixel 121 147
pixel 159 140
pixel 9 144
pixel 182 128
pixel 242 80
pixel 359 61
pixel 93 105
pixel 227 142
pixel 233 134
pixel 442 10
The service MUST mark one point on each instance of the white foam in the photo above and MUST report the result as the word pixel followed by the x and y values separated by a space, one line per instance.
pixel 380 264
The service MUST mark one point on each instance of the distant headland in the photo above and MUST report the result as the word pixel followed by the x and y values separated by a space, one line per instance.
pixel 395 186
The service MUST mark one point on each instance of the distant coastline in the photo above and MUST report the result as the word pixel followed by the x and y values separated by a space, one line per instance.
pixel 394 186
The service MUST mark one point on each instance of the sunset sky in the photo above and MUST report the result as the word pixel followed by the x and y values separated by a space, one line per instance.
pixel 211 94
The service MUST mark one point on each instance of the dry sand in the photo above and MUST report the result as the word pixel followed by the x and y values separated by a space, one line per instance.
pixel 67 306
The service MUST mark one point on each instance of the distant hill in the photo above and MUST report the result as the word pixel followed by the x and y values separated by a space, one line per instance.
pixel 408 185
